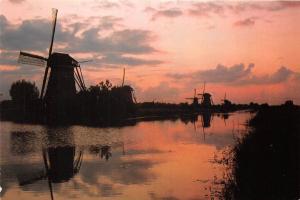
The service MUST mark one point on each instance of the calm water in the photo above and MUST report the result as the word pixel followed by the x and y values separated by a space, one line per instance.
pixel 150 160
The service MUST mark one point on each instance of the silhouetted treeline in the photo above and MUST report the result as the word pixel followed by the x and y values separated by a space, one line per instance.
pixel 105 104
pixel 100 104
pixel 265 164
pixel 159 108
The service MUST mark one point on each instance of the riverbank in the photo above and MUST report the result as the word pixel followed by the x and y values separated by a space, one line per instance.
pixel 265 163
pixel 110 113
pixel 115 114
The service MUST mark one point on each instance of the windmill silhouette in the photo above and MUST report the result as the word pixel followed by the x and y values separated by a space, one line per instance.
pixel 206 98
pixel 195 99
pixel 225 101
pixel 59 87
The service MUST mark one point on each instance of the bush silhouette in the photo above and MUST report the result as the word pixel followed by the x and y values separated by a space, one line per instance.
pixel 23 92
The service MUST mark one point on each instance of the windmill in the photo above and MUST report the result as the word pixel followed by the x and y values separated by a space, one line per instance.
pixel 59 86
pixel 125 91
pixel 206 99
pixel 225 101
pixel 195 99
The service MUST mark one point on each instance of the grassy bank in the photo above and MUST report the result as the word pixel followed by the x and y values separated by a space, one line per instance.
pixel 265 164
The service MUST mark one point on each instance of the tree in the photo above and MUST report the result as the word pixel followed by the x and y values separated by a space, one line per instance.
pixel 23 92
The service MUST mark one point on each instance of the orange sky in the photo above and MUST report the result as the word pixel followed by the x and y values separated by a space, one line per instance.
pixel 168 48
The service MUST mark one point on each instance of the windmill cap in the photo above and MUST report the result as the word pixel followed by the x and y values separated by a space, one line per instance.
pixel 206 94
pixel 62 60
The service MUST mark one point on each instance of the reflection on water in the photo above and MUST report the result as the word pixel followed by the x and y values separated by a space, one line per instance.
pixel 151 160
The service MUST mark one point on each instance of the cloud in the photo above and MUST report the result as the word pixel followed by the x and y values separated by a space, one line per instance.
pixel 219 74
pixel 281 75
pixel 16 1
pixel 237 74
pixel 245 22
pixel 271 6
pixel 208 9
pixel 205 9
pixel 149 9
pixel 109 22
pixel 30 34
pixel 8 57
pixel 79 37
pixel 128 41
pixel 107 4
pixel 116 59
pixel 168 13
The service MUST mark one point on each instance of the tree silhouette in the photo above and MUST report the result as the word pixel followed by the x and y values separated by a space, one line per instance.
pixel 23 92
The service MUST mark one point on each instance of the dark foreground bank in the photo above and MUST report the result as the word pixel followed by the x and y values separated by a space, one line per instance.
pixel 265 164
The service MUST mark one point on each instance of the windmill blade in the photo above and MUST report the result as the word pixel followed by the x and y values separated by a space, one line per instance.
pixel 31 59
pixel 78 79
pixel 54 17
pixel 48 173
pixel 85 61
pixel 134 98
pixel 82 77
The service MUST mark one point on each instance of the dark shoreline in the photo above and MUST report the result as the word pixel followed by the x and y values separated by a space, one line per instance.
pixel 265 164
pixel 34 114
pixel 184 115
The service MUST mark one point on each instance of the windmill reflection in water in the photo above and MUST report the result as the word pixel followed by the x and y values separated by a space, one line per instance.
pixel 61 163
pixel 205 121
pixel 61 157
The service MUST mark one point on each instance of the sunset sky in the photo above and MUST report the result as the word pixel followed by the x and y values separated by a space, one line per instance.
pixel 248 49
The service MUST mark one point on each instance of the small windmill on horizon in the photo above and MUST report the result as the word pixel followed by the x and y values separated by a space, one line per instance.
pixel 206 98
pixel 195 99
pixel 225 101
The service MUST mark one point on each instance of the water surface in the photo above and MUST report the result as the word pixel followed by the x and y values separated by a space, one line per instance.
pixel 171 159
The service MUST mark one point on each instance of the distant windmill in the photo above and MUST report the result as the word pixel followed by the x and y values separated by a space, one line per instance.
pixel 195 99
pixel 126 90
pixel 225 101
pixel 65 73
pixel 206 99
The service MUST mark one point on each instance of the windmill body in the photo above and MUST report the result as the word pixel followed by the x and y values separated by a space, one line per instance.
pixel 206 98
pixel 195 99
pixel 61 88
pixel 227 104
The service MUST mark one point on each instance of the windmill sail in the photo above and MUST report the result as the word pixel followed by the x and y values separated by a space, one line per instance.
pixel 31 59
pixel 54 17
